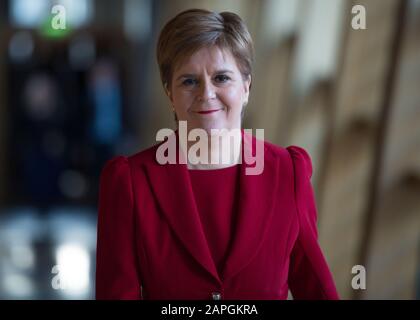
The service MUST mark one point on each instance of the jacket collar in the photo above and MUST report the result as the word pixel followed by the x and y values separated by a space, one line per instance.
pixel 172 187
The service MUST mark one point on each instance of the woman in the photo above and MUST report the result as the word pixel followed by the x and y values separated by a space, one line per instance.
pixel 198 230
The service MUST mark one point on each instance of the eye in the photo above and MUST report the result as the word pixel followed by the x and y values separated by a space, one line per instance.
pixel 189 82
pixel 222 78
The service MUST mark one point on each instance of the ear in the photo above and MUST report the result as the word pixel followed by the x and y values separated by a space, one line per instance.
pixel 168 92
pixel 247 86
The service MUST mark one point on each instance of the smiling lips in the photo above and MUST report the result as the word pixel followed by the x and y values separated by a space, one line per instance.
pixel 208 111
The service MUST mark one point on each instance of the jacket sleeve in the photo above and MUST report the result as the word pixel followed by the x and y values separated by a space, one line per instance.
pixel 117 275
pixel 309 276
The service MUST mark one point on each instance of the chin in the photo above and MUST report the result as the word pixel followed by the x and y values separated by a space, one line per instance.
pixel 209 126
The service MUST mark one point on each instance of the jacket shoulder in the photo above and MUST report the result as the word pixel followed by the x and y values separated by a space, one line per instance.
pixel 294 154
pixel 121 163
pixel 301 159
pixel 144 156
pixel 275 151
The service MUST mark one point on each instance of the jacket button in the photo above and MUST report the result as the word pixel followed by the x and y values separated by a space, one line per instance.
pixel 216 296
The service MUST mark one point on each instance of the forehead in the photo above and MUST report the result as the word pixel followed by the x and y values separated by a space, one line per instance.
pixel 208 58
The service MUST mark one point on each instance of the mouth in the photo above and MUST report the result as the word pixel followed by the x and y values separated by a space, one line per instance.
pixel 208 111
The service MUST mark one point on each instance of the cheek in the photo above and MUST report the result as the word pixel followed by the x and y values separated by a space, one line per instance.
pixel 182 100
pixel 233 98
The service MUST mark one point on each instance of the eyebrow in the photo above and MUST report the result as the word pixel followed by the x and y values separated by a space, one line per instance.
pixel 188 75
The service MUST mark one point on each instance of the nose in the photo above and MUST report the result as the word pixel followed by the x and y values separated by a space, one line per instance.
pixel 207 91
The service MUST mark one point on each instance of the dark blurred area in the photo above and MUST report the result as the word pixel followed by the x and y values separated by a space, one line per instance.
pixel 72 98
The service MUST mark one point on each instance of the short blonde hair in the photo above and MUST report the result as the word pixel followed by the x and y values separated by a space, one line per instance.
pixel 194 29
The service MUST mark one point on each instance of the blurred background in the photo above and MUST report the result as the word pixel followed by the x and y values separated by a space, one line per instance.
pixel 71 99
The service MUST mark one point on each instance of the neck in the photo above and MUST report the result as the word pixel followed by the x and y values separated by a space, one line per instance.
pixel 214 150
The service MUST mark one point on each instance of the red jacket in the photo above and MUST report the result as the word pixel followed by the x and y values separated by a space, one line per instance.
pixel 151 244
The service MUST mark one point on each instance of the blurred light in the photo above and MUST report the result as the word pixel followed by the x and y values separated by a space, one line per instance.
pixel 281 18
pixel 73 224
pixel 74 227
pixel 21 46
pixel 137 19
pixel 22 256
pixel 73 184
pixel 73 261
pixel 48 31
pixel 319 40
pixel 82 52
pixel 78 12
pixel 40 96
pixel 34 13
pixel 105 91
pixel 20 224
pixel 18 286
pixel 28 13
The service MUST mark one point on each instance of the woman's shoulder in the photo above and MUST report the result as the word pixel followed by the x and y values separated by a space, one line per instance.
pixel 138 157
pixel 116 163
pixel 298 155
pixel 122 162
pixel 147 155
pixel 115 172
pixel 271 150
pixel 301 159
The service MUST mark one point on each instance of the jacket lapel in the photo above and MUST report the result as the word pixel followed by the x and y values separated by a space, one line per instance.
pixel 172 187
pixel 256 199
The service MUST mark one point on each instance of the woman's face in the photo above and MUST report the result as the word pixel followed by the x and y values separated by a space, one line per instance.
pixel 208 90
